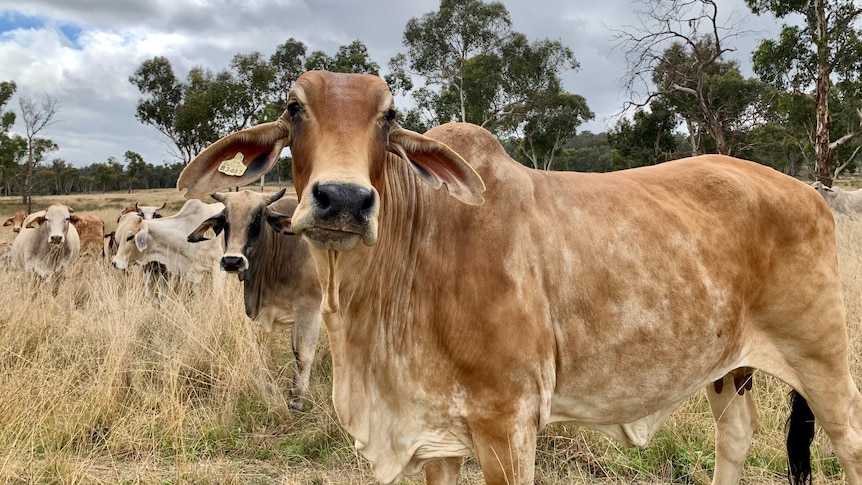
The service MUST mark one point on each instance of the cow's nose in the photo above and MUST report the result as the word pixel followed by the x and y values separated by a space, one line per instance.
pixel 337 200
pixel 16 229
pixel 232 263
pixel 56 239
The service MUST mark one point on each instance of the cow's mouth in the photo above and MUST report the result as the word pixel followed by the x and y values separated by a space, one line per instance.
pixel 335 239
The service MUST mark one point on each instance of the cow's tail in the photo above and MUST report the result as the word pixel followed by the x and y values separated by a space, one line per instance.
pixel 800 434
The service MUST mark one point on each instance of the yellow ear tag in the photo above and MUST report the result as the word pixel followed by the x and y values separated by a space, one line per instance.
pixel 233 167
pixel 210 234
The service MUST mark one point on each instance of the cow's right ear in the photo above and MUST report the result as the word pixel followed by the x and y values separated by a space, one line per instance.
pixel 280 223
pixel 8 222
pixel 141 239
pixel 216 223
pixel 36 221
pixel 237 159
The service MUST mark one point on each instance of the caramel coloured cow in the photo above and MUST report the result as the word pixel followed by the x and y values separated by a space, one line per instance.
pixel 91 233
pixel 16 220
pixel 461 321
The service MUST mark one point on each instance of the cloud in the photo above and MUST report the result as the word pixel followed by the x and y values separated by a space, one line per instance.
pixel 83 52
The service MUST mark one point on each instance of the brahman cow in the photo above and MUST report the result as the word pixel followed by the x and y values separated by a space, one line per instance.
pixel 91 232
pixel 161 247
pixel 47 243
pixel 145 211
pixel 16 220
pixel 842 202
pixel 463 321
pixel 280 286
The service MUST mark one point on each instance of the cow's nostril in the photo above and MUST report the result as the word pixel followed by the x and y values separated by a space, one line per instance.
pixel 321 197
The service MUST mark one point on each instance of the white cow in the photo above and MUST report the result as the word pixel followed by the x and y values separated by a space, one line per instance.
pixel 47 243
pixel 162 244
pixel 841 201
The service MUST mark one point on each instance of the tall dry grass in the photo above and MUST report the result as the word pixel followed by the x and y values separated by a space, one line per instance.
pixel 102 385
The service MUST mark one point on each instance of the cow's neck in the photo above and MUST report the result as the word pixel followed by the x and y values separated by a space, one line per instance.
pixel 369 322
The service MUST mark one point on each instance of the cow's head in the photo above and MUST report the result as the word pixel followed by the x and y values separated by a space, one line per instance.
pixel 16 221
pixel 242 219
pixel 56 219
pixel 341 129
pixel 149 211
pixel 127 237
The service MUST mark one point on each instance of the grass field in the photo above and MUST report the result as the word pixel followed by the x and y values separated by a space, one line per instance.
pixel 101 385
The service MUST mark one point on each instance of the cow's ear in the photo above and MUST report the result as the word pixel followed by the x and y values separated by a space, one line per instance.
pixel 141 239
pixel 74 219
pixel 8 222
pixel 280 223
pixel 216 223
pixel 438 165
pixel 237 159
pixel 36 221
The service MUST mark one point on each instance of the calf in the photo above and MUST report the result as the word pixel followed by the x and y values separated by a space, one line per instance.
pixel 91 232
pixel 280 285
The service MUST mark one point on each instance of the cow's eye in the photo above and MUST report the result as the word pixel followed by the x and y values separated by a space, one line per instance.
pixel 130 237
pixel 390 115
pixel 293 108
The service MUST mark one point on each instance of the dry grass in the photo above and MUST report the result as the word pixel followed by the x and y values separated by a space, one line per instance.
pixel 101 385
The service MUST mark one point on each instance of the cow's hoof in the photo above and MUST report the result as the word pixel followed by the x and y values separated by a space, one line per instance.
pixel 298 404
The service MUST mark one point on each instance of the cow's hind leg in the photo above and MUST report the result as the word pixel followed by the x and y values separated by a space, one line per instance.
pixel 736 420
pixel 831 395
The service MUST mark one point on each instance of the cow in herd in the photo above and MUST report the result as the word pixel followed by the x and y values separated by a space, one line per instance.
pixel 162 243
pixel 16 221
pixel 47 243
pixel 842 202
pixel 280 286
pixel 462 321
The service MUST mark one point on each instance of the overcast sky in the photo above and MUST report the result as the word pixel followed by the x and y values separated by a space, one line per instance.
pixel 82 52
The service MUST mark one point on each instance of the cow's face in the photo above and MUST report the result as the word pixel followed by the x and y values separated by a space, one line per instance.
pixel 56 219
pixel 127 232
pixel 242 220
pixel 16 221
pixel 342 134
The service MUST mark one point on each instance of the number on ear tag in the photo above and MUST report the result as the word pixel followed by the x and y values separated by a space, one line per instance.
pixel 233 167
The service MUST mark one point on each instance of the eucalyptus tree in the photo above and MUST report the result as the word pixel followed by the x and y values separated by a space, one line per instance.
pixel 805 59
pixel 13 147
pixel 679 52
pixel 476 69
pixel 36 116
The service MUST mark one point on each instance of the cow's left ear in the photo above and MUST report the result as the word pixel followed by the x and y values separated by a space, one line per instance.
pixel 438 165
pixel 74 219
pixel 280 223
pixel 237 159
pixel 141 239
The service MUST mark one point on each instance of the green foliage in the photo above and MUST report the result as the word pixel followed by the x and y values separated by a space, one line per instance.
pixel 647 139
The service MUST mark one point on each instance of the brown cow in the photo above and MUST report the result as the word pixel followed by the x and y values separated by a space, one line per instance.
pixel 91 232
pixel 278 277
pixel 16 220
pixel 462 321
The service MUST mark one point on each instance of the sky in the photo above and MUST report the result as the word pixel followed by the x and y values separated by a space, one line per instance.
pixel 82 52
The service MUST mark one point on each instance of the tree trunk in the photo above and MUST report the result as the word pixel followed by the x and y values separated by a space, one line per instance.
pixel 822 170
